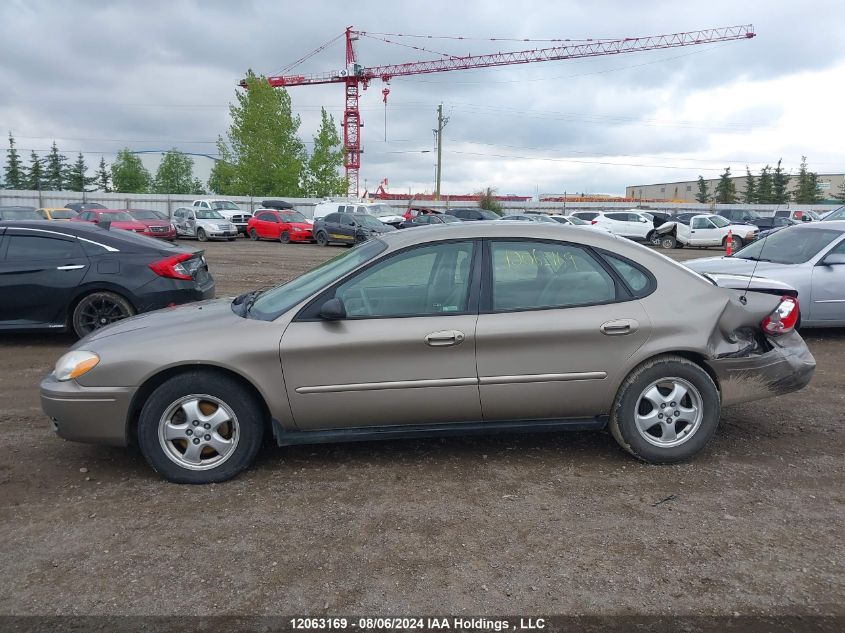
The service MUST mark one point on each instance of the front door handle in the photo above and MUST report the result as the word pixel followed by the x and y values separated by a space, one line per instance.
pixel 445 338
pixel 71 267
pixel 619 327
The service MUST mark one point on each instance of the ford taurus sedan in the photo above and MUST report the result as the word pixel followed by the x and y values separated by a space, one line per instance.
pixel 477 327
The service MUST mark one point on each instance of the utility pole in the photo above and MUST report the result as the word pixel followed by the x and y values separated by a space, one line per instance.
pixel 441 123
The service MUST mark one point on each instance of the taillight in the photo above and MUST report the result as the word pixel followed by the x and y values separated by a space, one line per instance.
pixel 594 221
pixel 172 267
pixel 784 318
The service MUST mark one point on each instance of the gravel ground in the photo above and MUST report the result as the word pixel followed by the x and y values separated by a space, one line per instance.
pixel 508 524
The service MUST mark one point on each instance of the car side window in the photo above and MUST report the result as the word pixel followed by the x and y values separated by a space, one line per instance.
pixel 428 280
pixel 38 247
pixel 422 219
pixel 638 281
pixel 347 220
pixel 620 217
pixel 529 275
pixel 702 223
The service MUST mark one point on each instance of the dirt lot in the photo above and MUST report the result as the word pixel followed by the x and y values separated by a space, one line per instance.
pixel 509 524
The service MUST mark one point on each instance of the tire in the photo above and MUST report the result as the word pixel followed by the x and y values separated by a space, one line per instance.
pixel 737 243
pixel 201 235
pixel 253 235
pixel 284 237
pixel 696 414
pixel 97 310
pixel 322 238
pixel 653 238
pixel 668 242
pixel 208 394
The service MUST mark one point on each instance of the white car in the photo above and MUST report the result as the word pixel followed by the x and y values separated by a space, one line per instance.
pixel 706 230
pixel 383 212
pixel 573 220
pixel 227 209
pixel 631 224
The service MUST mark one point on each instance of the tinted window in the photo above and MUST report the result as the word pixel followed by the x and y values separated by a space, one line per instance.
pixel 422 219
pixel 331 217
pixel 619 217
pixel 347 220
pixel 586 215
pixel 529 275
pixel 36 247
pixel 636 279
pixel 427 280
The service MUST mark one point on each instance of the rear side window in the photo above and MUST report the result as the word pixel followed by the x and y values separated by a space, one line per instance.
pixel 619 217
pixel 640 282
pixel 37 247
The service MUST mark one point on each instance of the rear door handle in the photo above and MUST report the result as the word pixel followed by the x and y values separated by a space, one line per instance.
pixel 71 267
pixel 445 338
pixel 619 327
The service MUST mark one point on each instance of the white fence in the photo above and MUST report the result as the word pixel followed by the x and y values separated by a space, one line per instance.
pixel 169 203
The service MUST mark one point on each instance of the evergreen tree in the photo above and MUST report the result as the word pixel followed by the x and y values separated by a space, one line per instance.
pixel 103 178
pixel 841 194
pixel 323 176
pixel 750 195
pixel 807 188
pixel 77 175
pixel 780 182
pixel 14 174
pixel 265 155
pixel 128 173
pixel 726 189
pixel 702 196
pixel 35 174
pixel 55 169
pixel 175 174
pixel 765 194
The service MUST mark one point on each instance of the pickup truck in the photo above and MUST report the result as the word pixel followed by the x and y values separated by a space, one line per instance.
pixel 227 209
pixel 704 230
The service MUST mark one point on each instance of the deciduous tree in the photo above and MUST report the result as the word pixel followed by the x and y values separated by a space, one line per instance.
pixel 129 174
pixel 175 174
pixel 323 176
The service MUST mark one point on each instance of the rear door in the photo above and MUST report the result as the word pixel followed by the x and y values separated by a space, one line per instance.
pixel 39 271
pixel 266 225
pixel 555 326
pixel 617 223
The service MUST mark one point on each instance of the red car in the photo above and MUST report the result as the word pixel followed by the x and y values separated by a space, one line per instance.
pixel 413 212
pixel 117 220
pixel 285 226
pixel 158 225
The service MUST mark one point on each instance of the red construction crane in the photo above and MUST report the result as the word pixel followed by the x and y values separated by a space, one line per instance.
pixel 354 75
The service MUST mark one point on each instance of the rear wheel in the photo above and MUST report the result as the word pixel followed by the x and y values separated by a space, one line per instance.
pixel 200 427
pixel 98 310
pixel 735 245
pixel 201 235
pixel 666 410
pixel 668 242
pixel 322 238
pixel 284 237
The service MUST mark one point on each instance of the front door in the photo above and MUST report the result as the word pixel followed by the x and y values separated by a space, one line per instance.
pixel 829 289
pixel 404 354
pixel 554 330
pixel 704 233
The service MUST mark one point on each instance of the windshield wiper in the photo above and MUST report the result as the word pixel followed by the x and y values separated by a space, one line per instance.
pixel 755 259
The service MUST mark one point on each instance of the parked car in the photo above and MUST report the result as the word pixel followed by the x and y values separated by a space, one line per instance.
pixel 203 224
pixel 384 212
pixel 798 215
pixel 769 225
pixel 114 219
pixel 57 213
pixel 588 216
pixel 528 217
pixel 481 328
pixel 474 214
pixel 741 216
pixel 809 257
pixel 631 224
pixel 226 208
pixel 83 206
pixel 705 230
pixel 348 228
pixel 162 229
pixel 284 226
pixel 575 221
pixel 80 277
pixel 19 213
pixel 429 220
pixel 413 212
pixel 836 214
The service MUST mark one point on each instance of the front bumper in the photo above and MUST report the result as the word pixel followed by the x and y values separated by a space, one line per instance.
pixel 96 415
pixel 302 236
pixel 787 367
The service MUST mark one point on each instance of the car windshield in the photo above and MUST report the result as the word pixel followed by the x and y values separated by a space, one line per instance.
pixel 225 205
pixel 839 214
pixel 719 221
pixel 381 211
pixel 19 214
pixel 280 299
pixel 368 221
pixel 292 216
pixel 207 214
pixel 790 245
pixel 144 214
pixel 488 215
pixel 115 216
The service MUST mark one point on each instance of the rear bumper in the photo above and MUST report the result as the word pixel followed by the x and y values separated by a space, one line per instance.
pixel 788 367
pixel 95 415
pixel 163 293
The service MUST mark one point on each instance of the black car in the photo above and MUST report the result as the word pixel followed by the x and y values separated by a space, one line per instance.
pixel 741 216
pixel 474 214
pixel 348 228
pixel 766 224
pixel 19 213
pixel 428 220
pixel 81 277
pixel 83 206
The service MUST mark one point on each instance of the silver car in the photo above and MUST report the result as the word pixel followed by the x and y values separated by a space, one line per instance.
pixel 809 257
pixel 203 224
pixel 478 327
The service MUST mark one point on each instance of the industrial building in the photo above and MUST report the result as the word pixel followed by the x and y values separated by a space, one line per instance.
pixel 686 190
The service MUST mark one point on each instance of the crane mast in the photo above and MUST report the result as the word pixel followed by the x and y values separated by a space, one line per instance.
pixel 355 76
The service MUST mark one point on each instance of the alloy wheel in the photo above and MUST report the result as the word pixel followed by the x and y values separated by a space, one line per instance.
pixel 198 432
pixel 98 311
pixel 669 412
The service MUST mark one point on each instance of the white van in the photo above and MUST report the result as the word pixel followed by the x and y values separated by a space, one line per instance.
pixel 382 211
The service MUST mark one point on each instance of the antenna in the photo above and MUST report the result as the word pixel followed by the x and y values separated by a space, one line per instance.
pixel 743 299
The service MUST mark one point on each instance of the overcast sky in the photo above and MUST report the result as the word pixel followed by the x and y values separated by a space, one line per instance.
pixel 97 76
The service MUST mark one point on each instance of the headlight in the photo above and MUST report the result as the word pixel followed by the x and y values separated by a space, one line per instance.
pixel 296 229
pixel 74 364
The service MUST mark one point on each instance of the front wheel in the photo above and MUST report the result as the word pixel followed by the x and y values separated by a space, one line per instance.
pixel 201 235
pixel 98 310
pixel 666 410
pixel 322 239
pixel 668 242
pixel 736 243
pixel 284 237
pixel 200 427
pixel 253 235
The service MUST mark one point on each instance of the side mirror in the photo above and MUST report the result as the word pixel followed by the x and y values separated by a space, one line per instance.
pixel 834 259
pixel 333 310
